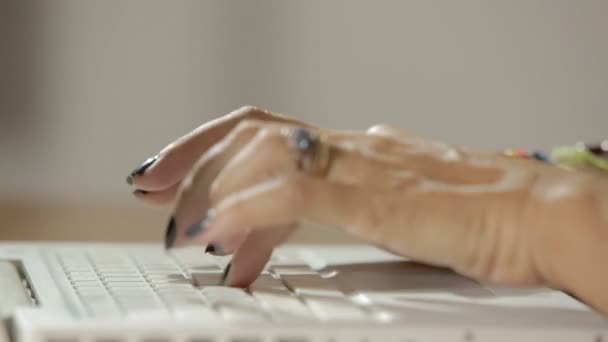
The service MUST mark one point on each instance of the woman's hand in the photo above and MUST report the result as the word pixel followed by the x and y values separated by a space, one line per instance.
pixel 237 187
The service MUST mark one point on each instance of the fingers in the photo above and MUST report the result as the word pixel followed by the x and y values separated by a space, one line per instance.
pixel 286 201
pixel 157 197
pixel 251 257
pixel 193 201
pixel 422 199
pixel 228 245
pixel 265 157
pixel 175 161
pixel 251 182
pixel 252 154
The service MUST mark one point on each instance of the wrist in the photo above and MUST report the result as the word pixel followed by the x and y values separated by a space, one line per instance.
pixel 573 245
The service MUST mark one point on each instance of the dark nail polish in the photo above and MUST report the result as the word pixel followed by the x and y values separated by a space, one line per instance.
pixel 210 248
pixel 225 275
pixel 170 234
pixel 200 227
pixel 141 169
pixel 140 192
pixel 215 249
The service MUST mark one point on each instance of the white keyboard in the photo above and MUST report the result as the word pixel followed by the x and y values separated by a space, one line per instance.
pixel 185 285
pixel 140 284
pixel 137 292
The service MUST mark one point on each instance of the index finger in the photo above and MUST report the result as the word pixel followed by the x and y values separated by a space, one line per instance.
pixel 174 162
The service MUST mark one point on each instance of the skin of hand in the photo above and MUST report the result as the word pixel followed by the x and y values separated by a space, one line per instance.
pixel 234 184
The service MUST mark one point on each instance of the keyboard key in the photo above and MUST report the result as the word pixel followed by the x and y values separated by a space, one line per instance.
pixel 266 282
pixel 387 281
pixel 283 306
pixel 160 267
pixel 234 304
pixel 126 284
pixel 217 295
pixel 241 314
pixel 124 280
pixel 324 297
pixel 279 259
pixel 202 268
pixel 198 313
pixel 222 261
pixel 112 264
pixel 86 283
pixel 119 295
pixel 131 291
pixel 174 288
pixel 207 278
pixel 145 297
pixel 91 291
pixel 112 269
pixel 170 279
pixel 287 270
pixel 335 308
pixel 177 278
pixel 121 273
pixel 119 276
pixel 83 276
pixel 174 297
pixel 166 272
pixel 311 284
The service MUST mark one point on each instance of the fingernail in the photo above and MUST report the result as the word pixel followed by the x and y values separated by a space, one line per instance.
pixel 170 234
pixel 140 192
pixel 141 169
pixel 200 227
pixel 225 275
pixel 215 249
pixel 210 248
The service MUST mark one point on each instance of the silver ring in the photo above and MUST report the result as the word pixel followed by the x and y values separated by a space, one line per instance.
pixel 312 153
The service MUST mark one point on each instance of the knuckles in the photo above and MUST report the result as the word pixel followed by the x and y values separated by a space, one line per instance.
pixel 379 129
pixel 268 139
pixel 251 112
pixel 266 135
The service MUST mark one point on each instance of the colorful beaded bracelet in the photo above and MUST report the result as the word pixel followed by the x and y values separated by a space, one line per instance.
pixel 569 157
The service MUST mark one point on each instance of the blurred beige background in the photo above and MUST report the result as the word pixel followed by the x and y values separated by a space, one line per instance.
pixel 89 89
